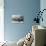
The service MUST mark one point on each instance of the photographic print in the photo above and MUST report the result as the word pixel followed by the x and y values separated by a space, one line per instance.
pixel 17 19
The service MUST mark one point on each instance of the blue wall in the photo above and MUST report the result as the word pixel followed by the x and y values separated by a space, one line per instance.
pixel 26 8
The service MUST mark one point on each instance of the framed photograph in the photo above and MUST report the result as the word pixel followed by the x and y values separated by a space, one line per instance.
pixel 17 19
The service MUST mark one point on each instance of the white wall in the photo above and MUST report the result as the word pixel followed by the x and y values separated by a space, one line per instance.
pixel 1 20
pixel 43 6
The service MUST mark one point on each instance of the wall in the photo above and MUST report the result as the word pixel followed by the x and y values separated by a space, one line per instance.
pixel 43 6
pixel 1 20
pixel 26 8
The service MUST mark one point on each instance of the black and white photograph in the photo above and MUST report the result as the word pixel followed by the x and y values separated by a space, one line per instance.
pixel 17 19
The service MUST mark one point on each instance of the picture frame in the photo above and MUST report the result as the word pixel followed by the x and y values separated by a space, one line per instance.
pixel 17 19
